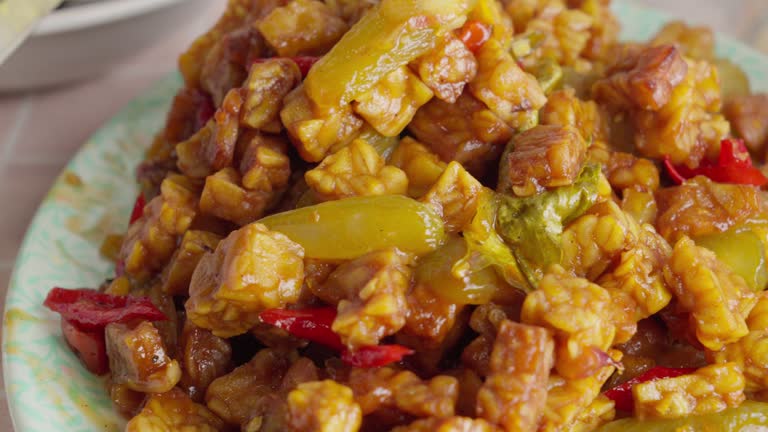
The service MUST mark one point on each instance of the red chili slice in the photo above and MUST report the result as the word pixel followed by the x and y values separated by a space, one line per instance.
pixel 91 310
pixel 138 209
pixel 375 356
pixel 314 324
pixel 733 166
pixel 474 34
pixel 622 394
pixel 89 346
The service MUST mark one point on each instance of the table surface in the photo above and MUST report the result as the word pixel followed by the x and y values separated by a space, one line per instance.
pixel 31 156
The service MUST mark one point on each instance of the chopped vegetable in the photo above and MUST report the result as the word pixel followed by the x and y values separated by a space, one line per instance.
pixel 391 35
pixel 311 324
pixel 314 324
pixel 91 310
pixel 474 34
pixel 486 248
pixel 742 251
pixel 733 80
pixel 734 165
pixel 375 356
pixel 89 346
pixel 532 226
pixel 622 394
pixel 138 209
pixel 438 271
pixel 750 415
pixel 351 227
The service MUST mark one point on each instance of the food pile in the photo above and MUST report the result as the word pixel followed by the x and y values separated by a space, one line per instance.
pixel 441 215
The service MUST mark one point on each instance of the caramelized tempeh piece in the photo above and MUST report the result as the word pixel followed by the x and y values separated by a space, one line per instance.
pixel 302 27
pixel 514 394
pixel 391 104
pixel 174 411
pixel 447 68
pixel 708 390
pixel 177 275
pixel 355 170
pixel 541 157
pixel 242 393
pixel 465 131
pixel 747 115
pixel 138 359
pixel 213 147
pixel 584 316
pixel 251 270
pixel 316 132
pixel 204 358
pixel 701 206
pixel 504 87
pixel 454 196
pixel 449 424
pixel 420 164
pixel 225 197
pixel 371 296
pixel 643 80
pixel 151 240
pixel 323 406
pixel 267 84
pixel 718 299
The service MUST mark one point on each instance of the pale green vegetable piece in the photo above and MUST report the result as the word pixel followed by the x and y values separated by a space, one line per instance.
pixel 390 35
pixel 733 80
pixel 348 228
pixel 742 251
pixel 750 416
pixel 533 226
pixel 486 248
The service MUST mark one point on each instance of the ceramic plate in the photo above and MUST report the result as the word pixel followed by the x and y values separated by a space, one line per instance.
pixel 47 388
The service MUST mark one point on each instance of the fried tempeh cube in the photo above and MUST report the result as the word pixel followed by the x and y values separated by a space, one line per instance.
pixel 251 270
pixel 541 157
pixel 514 393
pixel 355 170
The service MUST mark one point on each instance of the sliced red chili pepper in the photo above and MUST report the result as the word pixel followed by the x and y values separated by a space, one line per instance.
pixel 375 356
pixel 622 394
pixel 91 310
pixel 138 209
pixel 89 346
pixel 733 166
pixel 474 34
pixel 304 63
pixel 672 171
pixel 313 324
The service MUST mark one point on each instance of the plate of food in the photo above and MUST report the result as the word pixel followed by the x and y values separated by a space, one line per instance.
pixel 410 215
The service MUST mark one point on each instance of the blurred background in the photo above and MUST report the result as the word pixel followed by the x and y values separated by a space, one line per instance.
pixel 41 128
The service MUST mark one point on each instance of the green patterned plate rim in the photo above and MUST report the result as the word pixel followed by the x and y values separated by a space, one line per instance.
pixel 46 386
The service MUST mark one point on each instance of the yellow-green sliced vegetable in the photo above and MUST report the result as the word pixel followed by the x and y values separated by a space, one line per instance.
pixel 383 145
pixel 743 251
pixel 533 226
pixel 348 228
pixel 436 271
pixel 750 416
pixel 549 74
pixel 390 35
pixel 486 248
pixel 733 80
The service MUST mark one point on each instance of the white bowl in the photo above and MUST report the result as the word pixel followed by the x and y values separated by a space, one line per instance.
pixel 86 40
